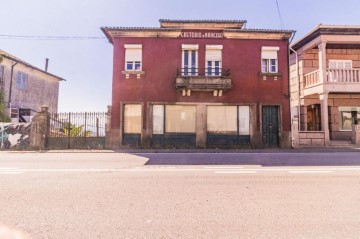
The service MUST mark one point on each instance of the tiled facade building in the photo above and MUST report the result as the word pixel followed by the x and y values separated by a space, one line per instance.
pixel 200 84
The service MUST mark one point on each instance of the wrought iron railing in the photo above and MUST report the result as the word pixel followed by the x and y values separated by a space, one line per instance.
pixel 203 72
pixel 77 124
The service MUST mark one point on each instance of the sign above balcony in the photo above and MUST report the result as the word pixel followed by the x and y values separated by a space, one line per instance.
pixel 202 34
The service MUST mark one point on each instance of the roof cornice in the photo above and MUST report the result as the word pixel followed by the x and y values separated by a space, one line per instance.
pixel 117 32
pixel 10 57
pixel 329 30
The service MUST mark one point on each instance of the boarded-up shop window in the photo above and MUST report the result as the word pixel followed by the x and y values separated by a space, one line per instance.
pixel 132 119
pixel 244 120
pixel 222 119
pixel 158 119
pixel 180 119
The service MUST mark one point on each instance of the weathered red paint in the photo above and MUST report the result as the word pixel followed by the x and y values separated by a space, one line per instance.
pixel 162 56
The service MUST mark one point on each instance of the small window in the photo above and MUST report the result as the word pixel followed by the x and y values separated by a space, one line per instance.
pixel 133 57
pixel 269 59
pixel 348 117
pixel 22 81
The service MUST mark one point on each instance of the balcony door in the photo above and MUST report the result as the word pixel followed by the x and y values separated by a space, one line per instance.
pixel 213 58
pixel 190 63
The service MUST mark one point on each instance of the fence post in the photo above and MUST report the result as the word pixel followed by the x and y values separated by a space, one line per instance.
pixel 295 133
pixel 108 136
pixel 39 129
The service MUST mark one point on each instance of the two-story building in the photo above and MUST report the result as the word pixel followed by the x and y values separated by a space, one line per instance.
pixel 200 84
pixel 325 82
pixel 27 88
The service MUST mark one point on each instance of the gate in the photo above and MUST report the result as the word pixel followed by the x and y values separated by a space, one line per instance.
pixel 76 131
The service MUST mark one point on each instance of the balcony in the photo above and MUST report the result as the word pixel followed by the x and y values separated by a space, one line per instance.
pixel 203 79
pixel 335 80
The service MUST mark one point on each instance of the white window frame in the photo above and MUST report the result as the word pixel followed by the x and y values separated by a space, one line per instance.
pixel 213 55
pixel 22 80
pixel 269 59
pixel 133 57
pixel 340 64
pixel 188 70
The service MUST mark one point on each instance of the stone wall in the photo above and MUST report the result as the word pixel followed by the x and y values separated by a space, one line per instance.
pixel 311 139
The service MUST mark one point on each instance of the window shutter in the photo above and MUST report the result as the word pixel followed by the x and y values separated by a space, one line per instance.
pixel 213 55
pixel 268 52
pixel 133 54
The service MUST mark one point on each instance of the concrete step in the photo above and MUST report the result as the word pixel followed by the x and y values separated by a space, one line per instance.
pixel 341 143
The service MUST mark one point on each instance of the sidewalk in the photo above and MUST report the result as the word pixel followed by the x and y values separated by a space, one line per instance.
pixel 134 150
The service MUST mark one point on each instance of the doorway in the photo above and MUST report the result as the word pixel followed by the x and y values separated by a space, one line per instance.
pixel 270 126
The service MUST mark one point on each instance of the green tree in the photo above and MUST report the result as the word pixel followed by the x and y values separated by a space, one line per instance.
pixel 76 131
pixel 3 117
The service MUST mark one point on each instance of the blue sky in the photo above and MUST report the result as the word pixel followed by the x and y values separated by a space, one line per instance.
pixel 87 64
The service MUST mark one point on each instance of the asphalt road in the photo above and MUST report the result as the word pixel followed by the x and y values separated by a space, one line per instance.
pixel 181 195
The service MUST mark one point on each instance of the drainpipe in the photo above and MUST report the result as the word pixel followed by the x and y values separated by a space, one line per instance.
pixel 298 83
pixel 11 80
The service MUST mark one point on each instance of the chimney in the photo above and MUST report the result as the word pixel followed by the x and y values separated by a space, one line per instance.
pixel 46 64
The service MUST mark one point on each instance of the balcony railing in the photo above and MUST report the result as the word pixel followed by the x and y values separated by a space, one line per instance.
pixel 311 79
pixel 203 79
pixel 203 72
pixel 334 80
pixel 332 76
pixel 343 75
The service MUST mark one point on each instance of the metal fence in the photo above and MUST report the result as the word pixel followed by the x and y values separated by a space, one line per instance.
pixel 81 125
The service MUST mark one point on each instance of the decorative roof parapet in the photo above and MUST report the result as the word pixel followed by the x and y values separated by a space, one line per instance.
pixel 173 28
pixel 203 24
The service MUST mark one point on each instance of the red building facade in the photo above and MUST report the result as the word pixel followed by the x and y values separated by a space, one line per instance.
pixel 200 84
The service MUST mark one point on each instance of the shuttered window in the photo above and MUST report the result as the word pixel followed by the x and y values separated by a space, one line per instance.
pixel 213 59
pixel 244 120
pixel 132 119
pixel 269 59
pixel 133 57
pixel 228 120
pixel 158 119
pixel 180 119
pixel 222 119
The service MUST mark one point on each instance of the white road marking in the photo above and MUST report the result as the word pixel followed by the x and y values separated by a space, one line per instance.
pixel 235 172
pixel 224 167
pixel 7 173
pixel 196 168
pixel 315 171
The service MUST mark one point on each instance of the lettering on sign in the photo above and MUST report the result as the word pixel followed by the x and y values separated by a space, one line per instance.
pixel 202 35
